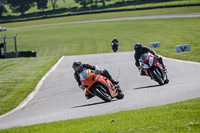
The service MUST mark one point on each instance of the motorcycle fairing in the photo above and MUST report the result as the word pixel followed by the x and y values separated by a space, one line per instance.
pixel 157 64
pixel 83 75
pixel 88 79
pixel 151 61
pixel 108 84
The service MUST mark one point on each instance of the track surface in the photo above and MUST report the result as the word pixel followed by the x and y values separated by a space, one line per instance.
pixel 59 97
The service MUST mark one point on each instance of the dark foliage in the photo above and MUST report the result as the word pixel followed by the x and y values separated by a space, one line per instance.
pixel 41 4
pixel 20 5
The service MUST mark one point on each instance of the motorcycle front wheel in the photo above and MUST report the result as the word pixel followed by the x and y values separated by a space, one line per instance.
pixel 102 93
pixel 157 77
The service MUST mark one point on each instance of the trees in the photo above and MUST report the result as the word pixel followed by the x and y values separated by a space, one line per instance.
pixel 2 7
pixel 84 3
pixel 103 2
pixel 41 4
pixel 53 3
pixel 20 5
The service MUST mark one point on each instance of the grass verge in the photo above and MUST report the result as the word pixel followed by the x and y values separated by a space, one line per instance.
pixel 182 117
pixel 19 77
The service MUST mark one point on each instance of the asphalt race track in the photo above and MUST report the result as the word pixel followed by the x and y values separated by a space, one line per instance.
pixel 59 97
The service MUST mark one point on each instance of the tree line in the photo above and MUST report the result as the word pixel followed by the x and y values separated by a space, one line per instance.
pixel 21 6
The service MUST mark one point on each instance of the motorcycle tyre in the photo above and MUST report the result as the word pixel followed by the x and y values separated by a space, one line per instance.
pixel 98 92
pixel 166 81
pixel 156 77
pixel 120 95
pixel 114 50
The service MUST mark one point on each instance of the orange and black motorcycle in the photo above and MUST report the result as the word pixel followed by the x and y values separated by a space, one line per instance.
pixel 100 86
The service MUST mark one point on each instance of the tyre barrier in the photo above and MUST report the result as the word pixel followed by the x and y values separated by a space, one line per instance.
pixel 19 54
pixel 27 54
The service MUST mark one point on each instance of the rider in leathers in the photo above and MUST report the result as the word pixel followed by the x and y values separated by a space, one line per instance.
pixel 114 40
pixel 79 67
pixel 139 50
pixel 115 43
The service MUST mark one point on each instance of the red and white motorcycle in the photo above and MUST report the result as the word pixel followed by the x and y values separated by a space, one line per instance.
pixel 153 68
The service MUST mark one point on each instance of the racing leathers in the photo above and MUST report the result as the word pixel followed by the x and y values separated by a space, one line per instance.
pixel 115 44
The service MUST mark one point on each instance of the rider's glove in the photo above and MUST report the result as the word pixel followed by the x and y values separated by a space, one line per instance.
pixel 80 86
pixel 156 56
pixel 97 71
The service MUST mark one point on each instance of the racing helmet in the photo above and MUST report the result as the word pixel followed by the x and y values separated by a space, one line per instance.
pixel 138 47
pixel 77 66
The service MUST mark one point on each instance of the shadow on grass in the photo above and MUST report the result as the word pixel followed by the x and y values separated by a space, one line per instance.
pixel 150 86
pixel 92 104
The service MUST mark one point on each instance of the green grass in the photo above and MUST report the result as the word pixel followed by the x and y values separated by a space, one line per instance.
pixel 95 37
pixel 19 77
pixel 181 117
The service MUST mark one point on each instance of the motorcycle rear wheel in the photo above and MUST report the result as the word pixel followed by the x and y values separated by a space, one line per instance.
pixel 120 94
pixel 102 93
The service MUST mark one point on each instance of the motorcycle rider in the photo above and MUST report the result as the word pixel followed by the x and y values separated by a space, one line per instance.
pixel 79 67
pixel 114 42
pixel 139 50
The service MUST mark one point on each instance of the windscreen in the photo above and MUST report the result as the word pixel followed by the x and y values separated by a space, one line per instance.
pixel 144 57
pixel 83 74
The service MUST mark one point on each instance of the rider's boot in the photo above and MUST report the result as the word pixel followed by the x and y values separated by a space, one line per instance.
pixel 142 73
pixel 114 81
pixel 165 69
pixel 161 62
pixel 107 74
pixel 117 87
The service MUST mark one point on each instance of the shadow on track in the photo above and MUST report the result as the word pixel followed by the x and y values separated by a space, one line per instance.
pixel 150 86
pixel 85 105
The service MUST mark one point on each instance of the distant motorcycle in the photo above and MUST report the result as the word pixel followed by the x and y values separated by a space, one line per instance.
pixel 100 86
pixel 153 68
pixel 115 46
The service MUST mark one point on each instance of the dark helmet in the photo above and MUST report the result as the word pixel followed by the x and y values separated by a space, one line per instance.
pixel 138 47
pixel 77 66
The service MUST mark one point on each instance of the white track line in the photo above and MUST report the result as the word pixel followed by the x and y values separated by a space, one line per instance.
pixel 182 61
pixel 32 94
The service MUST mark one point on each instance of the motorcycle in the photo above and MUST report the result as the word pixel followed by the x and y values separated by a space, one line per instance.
pixel 100 86
pixel 115 46
pixel 151 66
